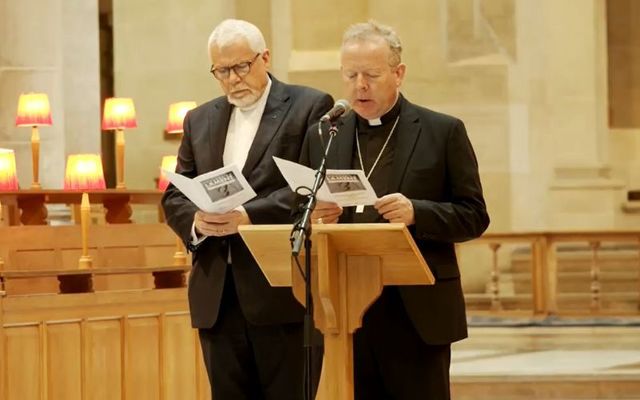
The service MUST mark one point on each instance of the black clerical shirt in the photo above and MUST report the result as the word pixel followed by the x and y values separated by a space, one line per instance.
pixel 372 139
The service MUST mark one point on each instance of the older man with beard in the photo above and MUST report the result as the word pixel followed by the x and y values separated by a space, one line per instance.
pixel 251 334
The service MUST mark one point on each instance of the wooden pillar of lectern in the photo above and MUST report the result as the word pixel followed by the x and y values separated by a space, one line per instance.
pixel 350 265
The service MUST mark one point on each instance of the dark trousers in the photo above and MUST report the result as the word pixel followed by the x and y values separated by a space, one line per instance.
pixel 245 361
pixel 391 361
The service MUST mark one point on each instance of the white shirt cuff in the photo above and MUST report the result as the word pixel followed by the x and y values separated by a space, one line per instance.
pixel 195 240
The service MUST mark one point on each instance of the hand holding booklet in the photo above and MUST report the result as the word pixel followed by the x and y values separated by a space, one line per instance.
pixel 345 187
pixel 217 191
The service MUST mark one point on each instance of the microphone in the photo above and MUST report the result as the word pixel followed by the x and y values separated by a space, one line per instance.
pixel 341 107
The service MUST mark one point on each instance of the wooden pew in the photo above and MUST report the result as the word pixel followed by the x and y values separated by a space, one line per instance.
pixel 32 250
pixel 122 333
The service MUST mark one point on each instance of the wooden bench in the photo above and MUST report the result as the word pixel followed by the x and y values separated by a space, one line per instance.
pixel 118 330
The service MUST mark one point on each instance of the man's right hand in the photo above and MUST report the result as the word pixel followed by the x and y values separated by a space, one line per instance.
pixel 326 213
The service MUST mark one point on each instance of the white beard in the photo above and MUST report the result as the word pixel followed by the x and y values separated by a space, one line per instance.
pixel 246 101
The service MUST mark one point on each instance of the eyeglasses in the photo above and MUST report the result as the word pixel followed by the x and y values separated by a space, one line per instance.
pixel 241 69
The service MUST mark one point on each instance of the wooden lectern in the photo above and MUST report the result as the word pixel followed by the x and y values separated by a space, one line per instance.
pixel 351 263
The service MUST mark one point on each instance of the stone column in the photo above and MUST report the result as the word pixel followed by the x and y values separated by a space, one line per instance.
pixel 582 192
pixel 50 47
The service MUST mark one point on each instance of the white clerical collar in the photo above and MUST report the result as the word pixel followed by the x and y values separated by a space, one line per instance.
pixel 378 121
pixel 261 101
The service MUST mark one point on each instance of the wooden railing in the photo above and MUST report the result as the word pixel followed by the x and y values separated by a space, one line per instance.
pixel 547 258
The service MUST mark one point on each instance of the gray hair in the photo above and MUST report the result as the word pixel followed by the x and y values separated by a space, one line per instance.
pixel 232 30
pixel 366 31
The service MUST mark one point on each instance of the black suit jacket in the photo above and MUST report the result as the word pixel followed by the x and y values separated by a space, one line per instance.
pixel 289 112
pixel 435 167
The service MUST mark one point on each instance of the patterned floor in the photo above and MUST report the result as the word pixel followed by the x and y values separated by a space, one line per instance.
pixel 550 354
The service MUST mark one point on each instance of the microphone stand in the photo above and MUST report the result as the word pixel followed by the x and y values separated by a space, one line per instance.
pixel 302 233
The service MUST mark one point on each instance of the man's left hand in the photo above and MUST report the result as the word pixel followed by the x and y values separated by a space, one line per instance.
pixel 395 207
pixel 223 224
pixel 238 216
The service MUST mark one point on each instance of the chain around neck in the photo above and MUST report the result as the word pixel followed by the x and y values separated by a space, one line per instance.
pixel 384 146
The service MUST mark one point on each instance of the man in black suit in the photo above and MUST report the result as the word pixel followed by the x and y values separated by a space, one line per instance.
pixel 251 333
pixel 424 171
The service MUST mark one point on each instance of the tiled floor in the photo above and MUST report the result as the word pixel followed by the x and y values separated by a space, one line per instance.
pixel 591 359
